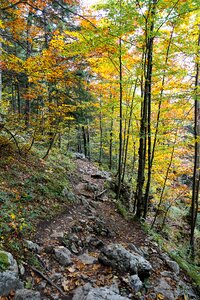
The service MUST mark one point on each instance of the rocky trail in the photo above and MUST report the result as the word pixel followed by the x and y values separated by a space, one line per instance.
pixel 91 252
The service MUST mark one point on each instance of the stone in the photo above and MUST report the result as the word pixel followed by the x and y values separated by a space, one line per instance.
pixel 74 248
pixel 135 249
pixel 25 294
pixel 119 258
pixel 79 155
pixel 71 197
pixel 165 289
pixel 9 277
pixel 63 255
pixel 102 175
pixel 87 292
pixel 174 266
pixel 32 246
pixel 91 187
pixel 136 283
pixel 9 281
pixel 7 262
pixel 87 259
pixel 57 235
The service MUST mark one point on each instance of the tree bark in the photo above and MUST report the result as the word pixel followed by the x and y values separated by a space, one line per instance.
pixel 196 171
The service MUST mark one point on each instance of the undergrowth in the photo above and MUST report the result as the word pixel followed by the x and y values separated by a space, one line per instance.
pixel 177 253
pixel 31 190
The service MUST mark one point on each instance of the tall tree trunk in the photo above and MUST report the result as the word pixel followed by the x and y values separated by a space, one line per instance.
pixel 88 142
pixel 28 52
pixel 128 131
pixel 0 71
pixel 145 126
pixel 120 120
pixel 196 171
pixel 165 181
pixel 101 133
pixel 111 141
pixel 84 140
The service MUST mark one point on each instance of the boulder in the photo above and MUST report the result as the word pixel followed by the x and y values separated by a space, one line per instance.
pixel 9 281
pixel 32 246
pixel 63 255
pixel 119 258
pixel 164 289
pixel 9 278
pixel 135 283
pixel 87 292
pixel 87 259
pixel 24 294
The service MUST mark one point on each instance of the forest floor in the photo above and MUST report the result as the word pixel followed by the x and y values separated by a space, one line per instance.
pixel 84 228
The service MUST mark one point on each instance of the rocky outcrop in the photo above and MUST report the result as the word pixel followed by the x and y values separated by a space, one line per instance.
pixel 119 258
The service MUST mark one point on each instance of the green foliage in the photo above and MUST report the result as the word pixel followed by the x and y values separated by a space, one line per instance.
pixel 122 210
pixel 4 262
pixel 31 190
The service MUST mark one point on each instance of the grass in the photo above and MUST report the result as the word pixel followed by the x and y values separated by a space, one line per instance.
pixel 31 190
pixel 179 254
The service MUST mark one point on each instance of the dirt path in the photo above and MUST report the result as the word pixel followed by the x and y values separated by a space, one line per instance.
pixel 85 229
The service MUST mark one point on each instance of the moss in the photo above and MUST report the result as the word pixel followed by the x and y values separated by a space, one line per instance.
pixel 4 261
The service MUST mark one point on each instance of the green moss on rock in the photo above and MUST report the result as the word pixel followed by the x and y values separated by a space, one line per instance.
pixel 4 261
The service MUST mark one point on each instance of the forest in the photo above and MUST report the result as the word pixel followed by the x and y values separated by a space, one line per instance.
pixel 116 84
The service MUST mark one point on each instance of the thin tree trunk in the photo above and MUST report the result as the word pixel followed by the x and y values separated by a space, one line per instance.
pixel 120 119
pixel 149 82
pixel 88 142
pixel 111 141
pixel 101 133
pixel 165 181
pixel 145 126
pixel 196 171
pixel 84 140
pixel 128 131
pixel 28 52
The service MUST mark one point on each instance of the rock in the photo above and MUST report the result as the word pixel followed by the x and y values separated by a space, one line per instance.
pixel 71 197
pixel 79 155
pixel 91 187
pixel 9 281
pixel 119 258
pixel 87 259
pixel 74 249
pixel 83 200
pixel 165 289
pixel 86 292
pixel 102 175
pixel 32 246
pixel 63 255
pixel 184 290
pixel 174 266
pixel 21 270
pixel 135 249
pixel 57 235
pixel 7 262
pixel 25 294
pixel 167 274
pixel 9 278
pixel 136 283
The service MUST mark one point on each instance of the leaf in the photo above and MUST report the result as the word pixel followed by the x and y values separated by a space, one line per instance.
pixel 65 285
pixel 160 297
pixel 71 269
